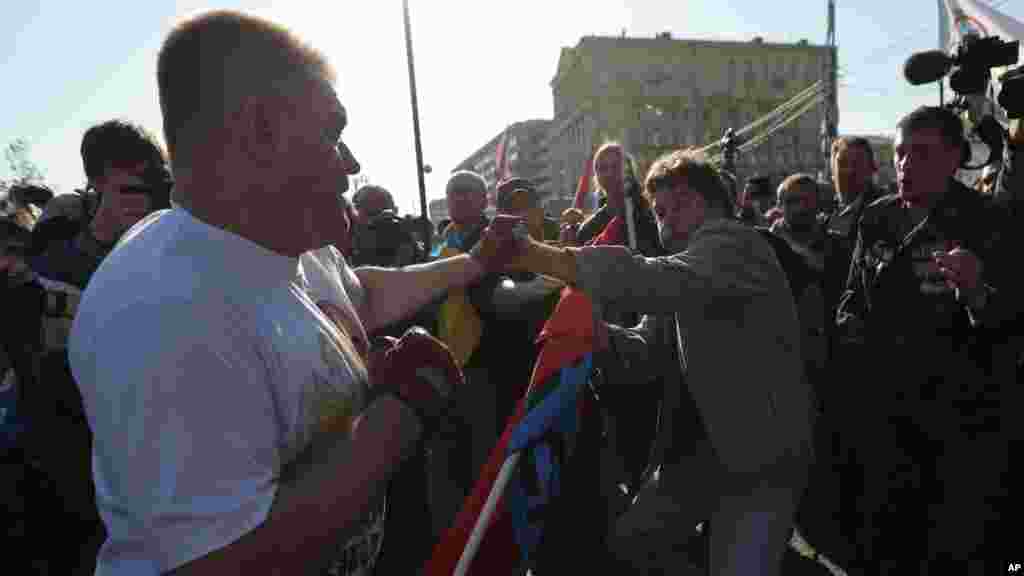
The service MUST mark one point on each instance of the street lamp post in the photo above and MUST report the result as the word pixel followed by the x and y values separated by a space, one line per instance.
pixel 420 171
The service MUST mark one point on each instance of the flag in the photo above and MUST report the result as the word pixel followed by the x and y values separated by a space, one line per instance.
pixel 553 406
pixel 612 235
pixel 458 324
pixel 501 167
pixel 582 201
pixel 549 411
pixel 549 406
pixel 960 18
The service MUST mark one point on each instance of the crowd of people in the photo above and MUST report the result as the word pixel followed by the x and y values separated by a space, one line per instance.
pixel 221 359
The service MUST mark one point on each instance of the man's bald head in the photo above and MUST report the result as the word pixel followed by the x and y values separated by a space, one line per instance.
pixel 210 65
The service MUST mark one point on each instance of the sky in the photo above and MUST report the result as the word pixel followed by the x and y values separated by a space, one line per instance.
pixel 480 66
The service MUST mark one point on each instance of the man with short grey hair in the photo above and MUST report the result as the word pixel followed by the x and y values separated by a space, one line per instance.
pixel 242 425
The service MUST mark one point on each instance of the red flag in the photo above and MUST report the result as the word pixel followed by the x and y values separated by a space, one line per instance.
pixel 614 234
pixel 583 187
pixel 501 170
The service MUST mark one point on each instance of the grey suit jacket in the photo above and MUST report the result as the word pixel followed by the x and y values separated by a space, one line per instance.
pixel 737 336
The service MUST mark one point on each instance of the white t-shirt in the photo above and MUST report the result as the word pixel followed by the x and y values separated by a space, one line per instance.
pixel 326 278
pixel 204 369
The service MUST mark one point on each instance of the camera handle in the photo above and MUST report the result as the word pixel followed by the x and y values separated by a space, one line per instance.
pixel 989 131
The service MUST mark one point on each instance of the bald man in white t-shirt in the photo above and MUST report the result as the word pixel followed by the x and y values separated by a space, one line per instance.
pixel 221 358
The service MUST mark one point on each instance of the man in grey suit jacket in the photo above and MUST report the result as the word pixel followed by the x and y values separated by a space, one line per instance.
pixel 734 333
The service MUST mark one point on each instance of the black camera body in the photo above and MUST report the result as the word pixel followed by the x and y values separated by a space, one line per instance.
pixel 1011 95
pixel 387 240
pixel 975 57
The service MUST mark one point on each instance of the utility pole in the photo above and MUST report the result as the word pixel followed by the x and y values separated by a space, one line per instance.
pixel 427 228
pixel 831 121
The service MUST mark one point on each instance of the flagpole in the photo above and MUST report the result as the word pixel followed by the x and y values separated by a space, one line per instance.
pixel 427 228
pixel 484 519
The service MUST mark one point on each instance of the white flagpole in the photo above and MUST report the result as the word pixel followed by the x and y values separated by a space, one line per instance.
pixel 482 521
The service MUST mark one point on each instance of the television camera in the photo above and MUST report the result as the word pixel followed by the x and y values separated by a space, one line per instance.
pixel 969 68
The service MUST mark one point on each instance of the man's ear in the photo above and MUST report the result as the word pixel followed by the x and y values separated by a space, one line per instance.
pixel 255 130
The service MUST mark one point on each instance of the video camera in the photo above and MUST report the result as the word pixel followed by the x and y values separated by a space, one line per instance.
pixel 388 240
pixel 969 67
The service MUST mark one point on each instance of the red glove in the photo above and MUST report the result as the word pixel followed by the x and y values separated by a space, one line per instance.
pixel 420 371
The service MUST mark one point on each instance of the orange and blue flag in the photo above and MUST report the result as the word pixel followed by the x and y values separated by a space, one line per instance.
pixel 549 411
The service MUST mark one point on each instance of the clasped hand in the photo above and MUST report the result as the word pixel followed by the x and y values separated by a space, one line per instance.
pixel 503 245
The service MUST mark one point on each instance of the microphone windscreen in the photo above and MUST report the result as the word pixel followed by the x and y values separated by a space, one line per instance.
pixel 926 67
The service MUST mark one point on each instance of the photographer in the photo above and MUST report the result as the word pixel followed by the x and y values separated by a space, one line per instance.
pixel 380 237
pixel 127 179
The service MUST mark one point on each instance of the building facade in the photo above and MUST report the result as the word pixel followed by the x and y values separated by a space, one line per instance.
pixel 658 94
pixel 521 149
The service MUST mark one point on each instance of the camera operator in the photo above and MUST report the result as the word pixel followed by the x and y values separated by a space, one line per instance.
pixel 926 296
pixel 380 237
pixel 127 179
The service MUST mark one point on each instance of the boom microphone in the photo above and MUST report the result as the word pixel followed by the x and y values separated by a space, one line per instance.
pixel 926 67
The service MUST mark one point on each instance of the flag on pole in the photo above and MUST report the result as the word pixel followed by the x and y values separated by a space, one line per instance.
pixel 960 18
pixel 583 192
pixel 501 166
pixel 509 535
pixel 532 443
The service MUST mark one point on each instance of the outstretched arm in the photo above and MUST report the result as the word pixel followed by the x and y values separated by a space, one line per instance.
pixel 393 294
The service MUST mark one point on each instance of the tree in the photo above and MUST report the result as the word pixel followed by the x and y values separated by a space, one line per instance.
pixel 21 167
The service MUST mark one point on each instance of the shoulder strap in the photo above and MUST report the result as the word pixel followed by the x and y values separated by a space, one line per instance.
pixel 792 264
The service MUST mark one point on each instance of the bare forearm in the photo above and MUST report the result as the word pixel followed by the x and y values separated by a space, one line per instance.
pixel 322 501
pixel 393 294
pixel 550 261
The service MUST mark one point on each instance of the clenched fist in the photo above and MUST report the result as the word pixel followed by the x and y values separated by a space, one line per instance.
pixel 420 371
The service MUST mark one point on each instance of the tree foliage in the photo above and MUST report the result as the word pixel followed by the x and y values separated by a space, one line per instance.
pixel 21 169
